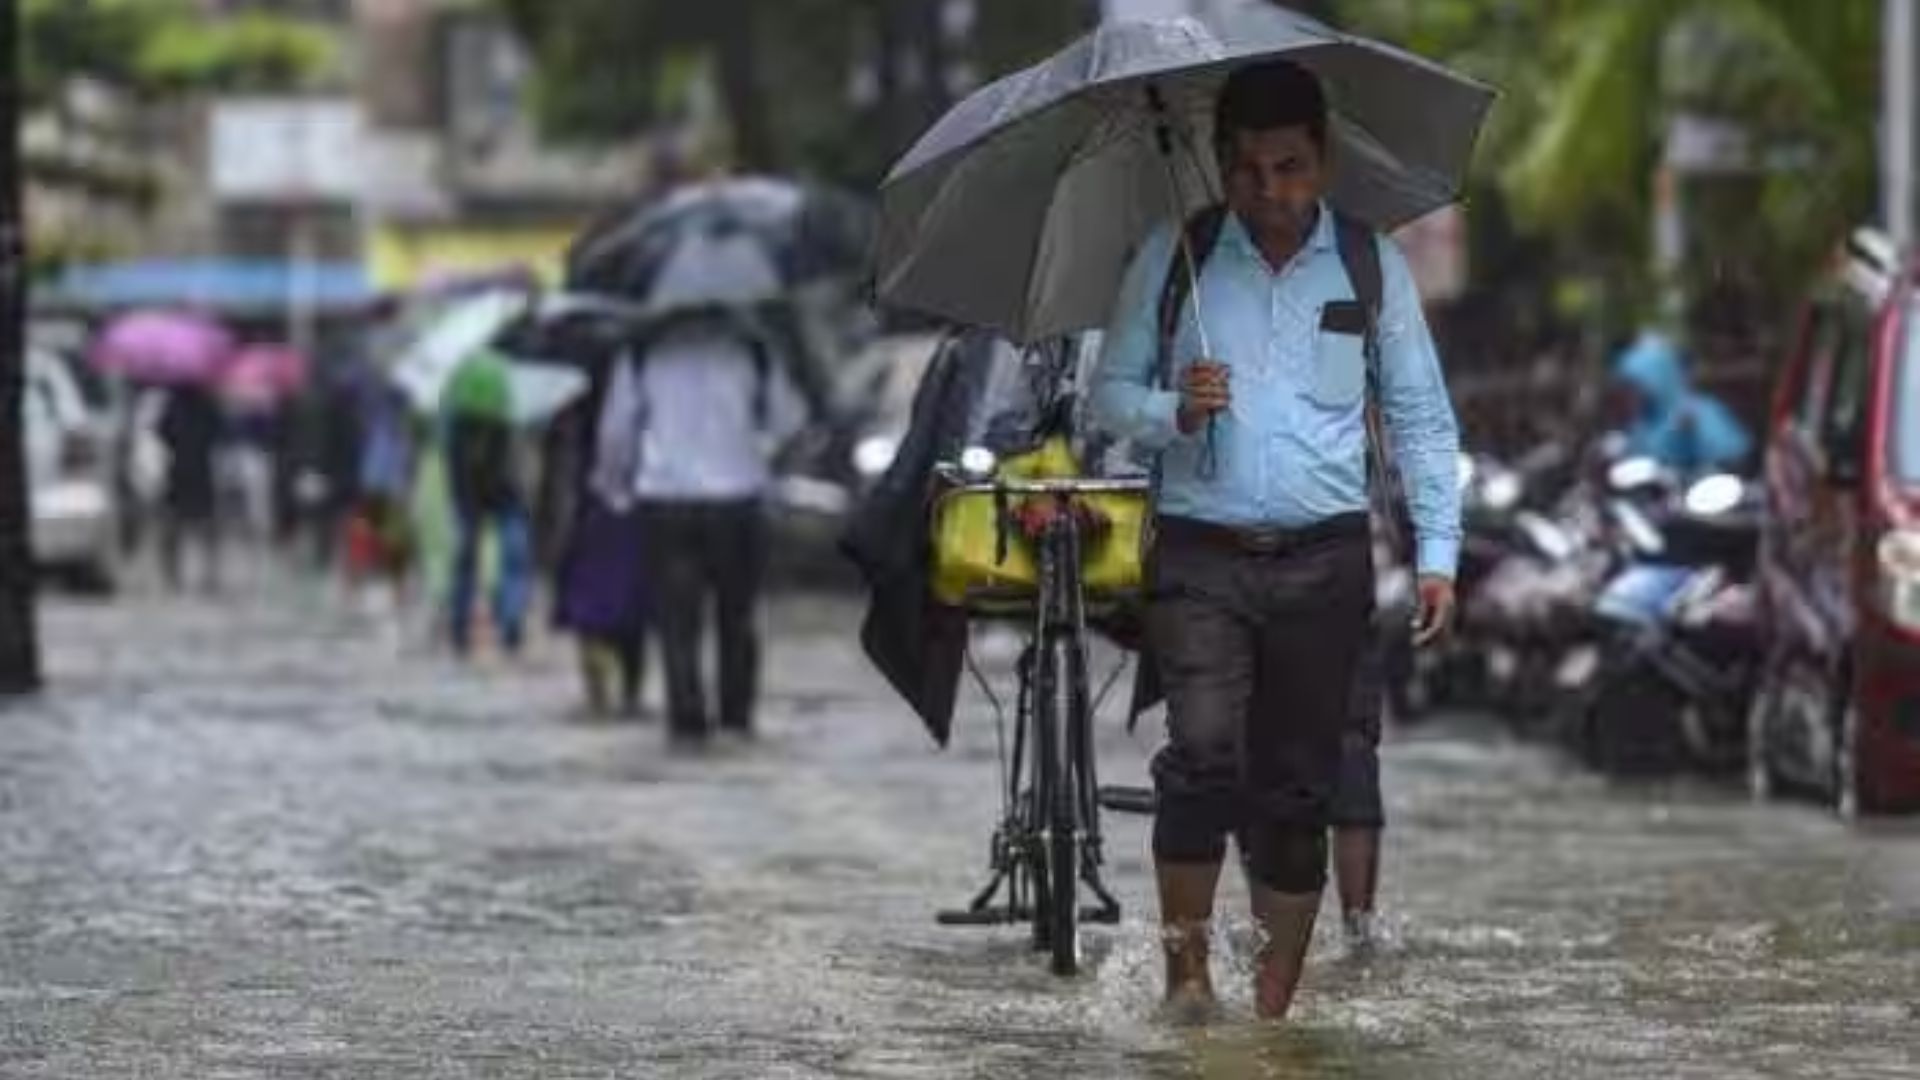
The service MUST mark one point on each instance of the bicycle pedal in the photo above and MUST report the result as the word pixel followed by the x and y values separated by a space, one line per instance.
pixel 987 917
pixel 1104 916
pixel 1128 800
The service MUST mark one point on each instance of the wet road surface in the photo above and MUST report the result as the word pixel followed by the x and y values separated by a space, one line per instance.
pixel 262 839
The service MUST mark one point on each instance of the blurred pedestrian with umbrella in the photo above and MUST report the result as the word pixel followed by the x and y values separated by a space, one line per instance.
pixel 379 538
pixel 192 427
pixel 815 239
pixel 477 427
pixel 1248 343
pixel 184 355
pixel 456 372
pixel 600 594
pixel 255 387
pixel 696 409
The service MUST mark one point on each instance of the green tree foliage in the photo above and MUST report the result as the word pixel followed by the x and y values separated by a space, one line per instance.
pixel 249 52
pixel 833 87
pixel 159 46
pixel 1589 87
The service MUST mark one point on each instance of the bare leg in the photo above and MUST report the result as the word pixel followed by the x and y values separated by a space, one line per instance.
pixel 1286 922
pixel 1186 918
pixel 596 673
pixel 1356 871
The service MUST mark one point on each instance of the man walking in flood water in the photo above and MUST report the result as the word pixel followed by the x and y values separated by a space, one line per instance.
pixel 1261 577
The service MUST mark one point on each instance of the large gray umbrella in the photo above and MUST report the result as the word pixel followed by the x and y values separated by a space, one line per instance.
pixel 1019 208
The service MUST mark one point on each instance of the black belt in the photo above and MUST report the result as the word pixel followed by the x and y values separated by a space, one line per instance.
pixel 1264 540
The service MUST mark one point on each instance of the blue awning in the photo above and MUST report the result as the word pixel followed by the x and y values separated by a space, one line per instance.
pixel 228 285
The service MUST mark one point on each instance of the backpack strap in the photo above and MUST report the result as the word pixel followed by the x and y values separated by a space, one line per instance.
pixel 762 373
pixel 1200 233
pixel 1360 256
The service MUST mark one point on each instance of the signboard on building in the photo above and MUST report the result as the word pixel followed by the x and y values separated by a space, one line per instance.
pixel 286 150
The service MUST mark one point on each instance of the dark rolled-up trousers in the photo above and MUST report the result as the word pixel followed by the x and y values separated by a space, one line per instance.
pixel 1257 639
pixel 1356 798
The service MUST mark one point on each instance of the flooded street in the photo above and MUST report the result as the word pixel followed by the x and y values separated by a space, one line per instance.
pixel 260 839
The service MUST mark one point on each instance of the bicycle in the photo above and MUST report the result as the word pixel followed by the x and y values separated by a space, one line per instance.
pixel 1048 842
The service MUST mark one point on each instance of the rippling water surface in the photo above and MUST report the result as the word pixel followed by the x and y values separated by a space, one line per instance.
pixel 259 840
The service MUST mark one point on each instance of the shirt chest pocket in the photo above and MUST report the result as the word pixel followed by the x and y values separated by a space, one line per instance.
pixel 1339 374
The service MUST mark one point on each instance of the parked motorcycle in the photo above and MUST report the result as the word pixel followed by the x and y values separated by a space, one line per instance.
pixel 1664 683
pixel 1522 585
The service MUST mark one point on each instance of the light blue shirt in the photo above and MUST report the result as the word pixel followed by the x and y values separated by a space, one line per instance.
pixel 1292 447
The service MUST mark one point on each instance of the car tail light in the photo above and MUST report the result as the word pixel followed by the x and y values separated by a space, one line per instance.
pixel 79 452
pixel 1900 578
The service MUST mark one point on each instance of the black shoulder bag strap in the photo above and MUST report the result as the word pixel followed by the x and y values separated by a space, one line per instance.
pixel 1360 256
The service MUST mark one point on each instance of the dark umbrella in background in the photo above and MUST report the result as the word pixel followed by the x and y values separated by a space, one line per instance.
pixel 806 234
pixel 790 252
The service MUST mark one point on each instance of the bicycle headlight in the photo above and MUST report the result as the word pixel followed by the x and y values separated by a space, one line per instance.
pixel 874 455
pixel 1900 577
pixel 978 463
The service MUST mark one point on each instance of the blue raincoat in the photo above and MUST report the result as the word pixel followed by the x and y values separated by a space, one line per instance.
pixel 1687 431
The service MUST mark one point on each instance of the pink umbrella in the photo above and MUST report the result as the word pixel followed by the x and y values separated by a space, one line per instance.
pixel 163 347
pixel 264 374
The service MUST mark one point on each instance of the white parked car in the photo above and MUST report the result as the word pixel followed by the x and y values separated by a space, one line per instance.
pixel 68 473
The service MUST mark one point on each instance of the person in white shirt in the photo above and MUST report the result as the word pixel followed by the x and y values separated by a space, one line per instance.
pixel 688 434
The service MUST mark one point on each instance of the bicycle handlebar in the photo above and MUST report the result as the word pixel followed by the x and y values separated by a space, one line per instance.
pixel 1062 486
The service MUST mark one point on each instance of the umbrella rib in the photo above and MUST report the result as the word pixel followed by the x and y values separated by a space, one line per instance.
pixel 1111 131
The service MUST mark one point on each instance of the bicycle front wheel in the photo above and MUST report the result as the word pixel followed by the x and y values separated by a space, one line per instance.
pixel 1057 691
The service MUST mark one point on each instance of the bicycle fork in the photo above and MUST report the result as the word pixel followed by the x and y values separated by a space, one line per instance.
pixel 1064 626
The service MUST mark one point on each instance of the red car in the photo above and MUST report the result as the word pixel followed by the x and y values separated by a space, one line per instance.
pixel 1837 711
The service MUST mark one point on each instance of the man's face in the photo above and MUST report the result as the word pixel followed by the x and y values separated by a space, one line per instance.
pixel 1275 178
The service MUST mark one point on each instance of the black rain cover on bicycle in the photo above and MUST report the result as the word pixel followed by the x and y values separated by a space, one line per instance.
pixel 978 391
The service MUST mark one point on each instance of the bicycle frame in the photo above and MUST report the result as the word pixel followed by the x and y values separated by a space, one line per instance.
pixel 1052 788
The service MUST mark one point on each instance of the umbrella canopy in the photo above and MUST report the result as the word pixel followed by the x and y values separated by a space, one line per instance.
pixel 801 234
pixel 449 337
pixel 264 374
pixel 455 365
pixel 583 330
pixel 1019 209
pixel 167 347
pixel 539 390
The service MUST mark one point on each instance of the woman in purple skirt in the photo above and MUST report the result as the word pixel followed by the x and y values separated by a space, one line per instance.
pixel 601 594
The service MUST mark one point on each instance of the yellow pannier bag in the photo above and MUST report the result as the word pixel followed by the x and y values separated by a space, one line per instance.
pixel 968 570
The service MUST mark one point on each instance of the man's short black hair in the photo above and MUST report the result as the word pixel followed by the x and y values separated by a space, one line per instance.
pixel 1267 95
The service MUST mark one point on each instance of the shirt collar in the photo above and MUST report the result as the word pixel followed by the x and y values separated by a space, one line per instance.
pixel 1235 232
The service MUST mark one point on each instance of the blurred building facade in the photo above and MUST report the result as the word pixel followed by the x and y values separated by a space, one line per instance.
pixel 414 160
pixel 457 179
